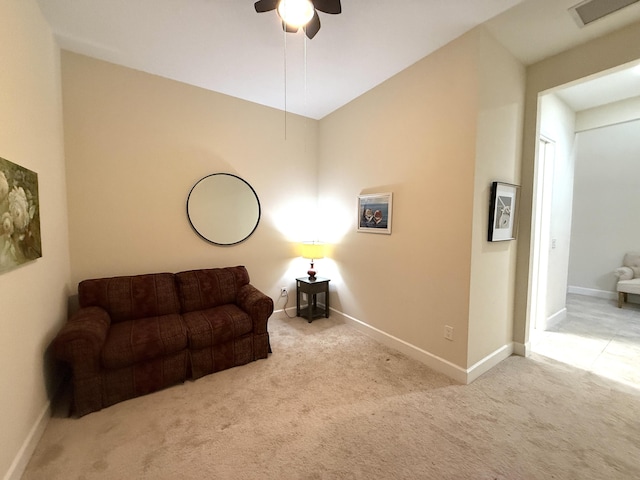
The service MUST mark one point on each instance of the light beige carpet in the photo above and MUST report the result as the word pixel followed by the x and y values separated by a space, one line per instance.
pixel 330 403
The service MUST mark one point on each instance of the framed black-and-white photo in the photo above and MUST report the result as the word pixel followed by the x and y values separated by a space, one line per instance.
pixel 374 213
pixel 503 212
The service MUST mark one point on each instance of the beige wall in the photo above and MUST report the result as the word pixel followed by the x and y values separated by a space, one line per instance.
pixel 595 56
pixel 136 144
pixel 498 150
pixel 33 296
pixel 416 136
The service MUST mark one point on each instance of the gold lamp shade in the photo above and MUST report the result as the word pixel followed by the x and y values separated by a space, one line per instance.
pixel 312 251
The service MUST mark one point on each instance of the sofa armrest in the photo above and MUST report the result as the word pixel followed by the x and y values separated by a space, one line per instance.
pixel 257 305
pixel 623 273
pixel 80 341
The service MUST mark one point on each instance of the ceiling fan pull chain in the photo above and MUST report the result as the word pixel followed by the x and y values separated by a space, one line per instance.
pixel 306 123
pixel 284 32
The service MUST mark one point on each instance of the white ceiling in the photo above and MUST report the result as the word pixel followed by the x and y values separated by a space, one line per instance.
pixel 538 29
pixel 603 89
pixel 225 46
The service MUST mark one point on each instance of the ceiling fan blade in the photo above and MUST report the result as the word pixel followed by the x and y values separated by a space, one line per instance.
pixel 288 28
pixel 265 5
pixel 313 26
pixel 328 6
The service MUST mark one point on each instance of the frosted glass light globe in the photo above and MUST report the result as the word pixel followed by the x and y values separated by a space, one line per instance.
pixel 295 13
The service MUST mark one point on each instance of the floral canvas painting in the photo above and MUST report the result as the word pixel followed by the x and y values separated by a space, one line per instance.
pixel 19 216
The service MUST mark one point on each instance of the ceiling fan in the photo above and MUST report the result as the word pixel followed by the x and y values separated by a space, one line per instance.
pixel 310 21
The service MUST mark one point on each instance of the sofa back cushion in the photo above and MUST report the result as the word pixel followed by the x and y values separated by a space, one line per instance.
pixel 208 288
pixel 632 260
pixel 129 298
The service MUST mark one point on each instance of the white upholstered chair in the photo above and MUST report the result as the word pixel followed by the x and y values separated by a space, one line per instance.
pixel 628 277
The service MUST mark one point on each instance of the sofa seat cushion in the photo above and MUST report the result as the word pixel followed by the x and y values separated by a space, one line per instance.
pixel 629 286
pixel 135 341
pixel 217 325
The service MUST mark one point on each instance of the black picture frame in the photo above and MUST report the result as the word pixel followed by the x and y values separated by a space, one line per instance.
pixel 503 212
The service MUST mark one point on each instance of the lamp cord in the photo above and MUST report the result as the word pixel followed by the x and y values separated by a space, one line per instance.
pixel 285 305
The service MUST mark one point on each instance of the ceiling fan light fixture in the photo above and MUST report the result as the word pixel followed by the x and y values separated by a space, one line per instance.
pixel 296 13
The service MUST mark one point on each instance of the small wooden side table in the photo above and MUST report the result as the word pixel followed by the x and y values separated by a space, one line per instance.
pixel 312 288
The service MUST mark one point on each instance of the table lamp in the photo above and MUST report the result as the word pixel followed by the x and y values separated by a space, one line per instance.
pixel 312 251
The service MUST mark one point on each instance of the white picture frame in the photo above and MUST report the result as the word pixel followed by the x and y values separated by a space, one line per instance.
pixel 375 213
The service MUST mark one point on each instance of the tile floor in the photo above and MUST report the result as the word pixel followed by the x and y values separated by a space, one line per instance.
pixel 596 336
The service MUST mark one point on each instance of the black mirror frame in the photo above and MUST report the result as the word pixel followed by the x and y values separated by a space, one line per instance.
pixel 195 229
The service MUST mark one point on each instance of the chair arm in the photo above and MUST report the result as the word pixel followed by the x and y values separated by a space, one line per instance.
pixel 80 341
pixel 257 305
pixel 623 273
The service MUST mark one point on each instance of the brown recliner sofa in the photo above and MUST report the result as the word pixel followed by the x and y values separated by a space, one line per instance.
pixel 134 335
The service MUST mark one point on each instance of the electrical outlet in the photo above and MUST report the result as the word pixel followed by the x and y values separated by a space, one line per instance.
pixel 448 332
pixel 283 291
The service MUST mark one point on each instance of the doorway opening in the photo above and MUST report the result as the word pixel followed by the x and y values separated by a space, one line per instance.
pixel 569 319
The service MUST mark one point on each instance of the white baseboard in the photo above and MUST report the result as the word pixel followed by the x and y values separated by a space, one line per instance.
pixel 522 349
pixel 488 362
pixel 559 315
pixel 555 318
pixel 21 460
pixel 455 372
pixel 592 292
pixel 289 309
pixel 294 310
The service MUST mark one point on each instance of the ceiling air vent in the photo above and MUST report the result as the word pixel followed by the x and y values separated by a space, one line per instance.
pixel 589 11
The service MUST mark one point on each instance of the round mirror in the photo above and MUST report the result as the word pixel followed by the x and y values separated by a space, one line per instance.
pixel 223 209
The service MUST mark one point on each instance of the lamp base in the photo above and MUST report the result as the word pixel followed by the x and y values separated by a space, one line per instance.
pixel 311 272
